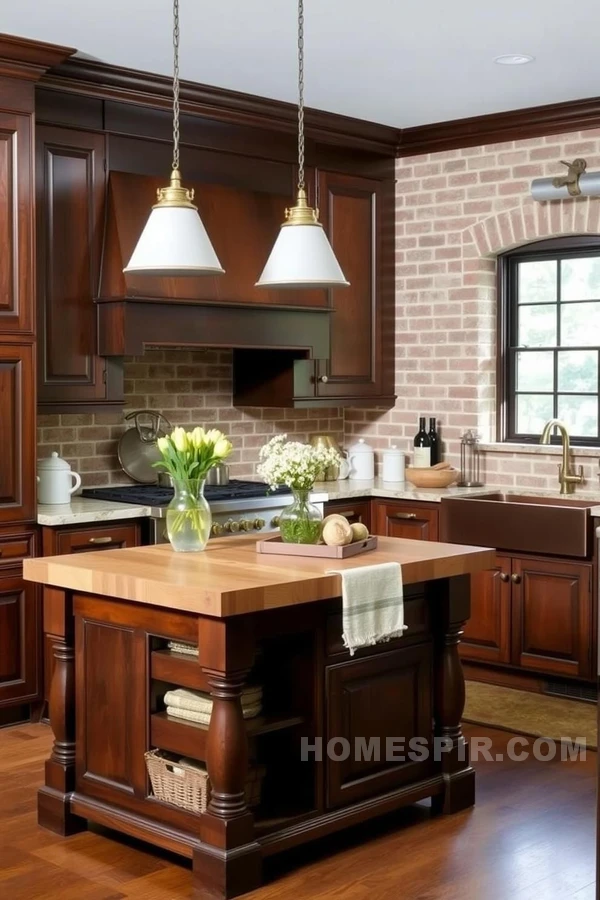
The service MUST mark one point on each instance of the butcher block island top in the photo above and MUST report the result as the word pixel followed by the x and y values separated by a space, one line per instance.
pixel 134 631
pixel 229 578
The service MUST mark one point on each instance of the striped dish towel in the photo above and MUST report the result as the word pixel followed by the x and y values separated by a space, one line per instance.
pixel 195 715
pixel 372 604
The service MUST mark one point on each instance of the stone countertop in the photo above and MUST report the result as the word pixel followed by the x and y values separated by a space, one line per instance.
pixel 81 511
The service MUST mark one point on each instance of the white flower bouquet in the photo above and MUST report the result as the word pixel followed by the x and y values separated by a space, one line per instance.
pixel 296 465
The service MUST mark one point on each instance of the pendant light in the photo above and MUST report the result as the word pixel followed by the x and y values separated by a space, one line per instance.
pixel 302 256
pixel 174 241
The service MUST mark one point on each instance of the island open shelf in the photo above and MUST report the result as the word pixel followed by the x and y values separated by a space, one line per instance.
pixel 273 622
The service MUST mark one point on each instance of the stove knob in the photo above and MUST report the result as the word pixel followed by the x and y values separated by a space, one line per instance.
pixel 234 527
pixel 245 524
pixel 217 530
pixel 275 522
pixel 258 524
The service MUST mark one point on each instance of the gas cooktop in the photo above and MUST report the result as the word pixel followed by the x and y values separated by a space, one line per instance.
pixel 153 495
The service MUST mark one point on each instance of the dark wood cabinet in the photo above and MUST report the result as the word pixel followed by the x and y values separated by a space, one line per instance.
pixel 358 368
pixel 16 224
pixel 70 184
pixel 20 620
pixel 80 539
pixel 487 634
pixel 353 510
pixel 17 429
pixel 405 519
pixel 379 700
pixel 552 616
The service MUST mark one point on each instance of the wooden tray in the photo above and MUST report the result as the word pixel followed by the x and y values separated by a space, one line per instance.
pixel 276 545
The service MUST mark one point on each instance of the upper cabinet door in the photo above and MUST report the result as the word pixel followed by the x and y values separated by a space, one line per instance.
pixel 17 431
pixel 16 224
pixel 361 358
pixel 71 178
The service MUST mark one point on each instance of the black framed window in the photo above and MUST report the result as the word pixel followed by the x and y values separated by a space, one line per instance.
pixel 550 339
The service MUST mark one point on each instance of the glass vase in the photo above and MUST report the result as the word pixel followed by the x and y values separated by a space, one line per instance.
pixel 189 518
pixel 300 522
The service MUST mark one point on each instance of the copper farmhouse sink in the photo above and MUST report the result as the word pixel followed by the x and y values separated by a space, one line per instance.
pixel 519 523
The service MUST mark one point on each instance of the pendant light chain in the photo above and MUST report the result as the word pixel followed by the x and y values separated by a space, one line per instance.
pixel 175 85
pixel 300 94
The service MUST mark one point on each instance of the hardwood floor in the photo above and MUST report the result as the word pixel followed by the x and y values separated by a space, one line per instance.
pixel 531 836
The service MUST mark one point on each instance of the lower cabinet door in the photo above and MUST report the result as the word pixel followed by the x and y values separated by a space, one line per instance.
pixel 19 639
pixel 353 510
pixel 406 520
pixel 375 706
pixel 552 616
pixel 486 636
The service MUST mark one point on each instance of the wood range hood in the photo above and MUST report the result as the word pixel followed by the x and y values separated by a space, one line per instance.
pixel 136 311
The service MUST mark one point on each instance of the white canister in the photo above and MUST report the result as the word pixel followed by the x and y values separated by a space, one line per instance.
pixel 393 465
pixel 362 461
pixel 56 480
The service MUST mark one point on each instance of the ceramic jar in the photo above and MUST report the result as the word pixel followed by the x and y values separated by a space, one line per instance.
pixel 56 480
pixel 361 458
pixel 393 465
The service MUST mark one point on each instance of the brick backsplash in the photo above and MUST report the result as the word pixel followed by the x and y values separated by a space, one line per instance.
pixel 455 212
pixel 190 388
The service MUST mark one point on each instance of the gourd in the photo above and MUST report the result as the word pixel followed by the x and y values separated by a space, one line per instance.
pixel 360 532
pixel 337 531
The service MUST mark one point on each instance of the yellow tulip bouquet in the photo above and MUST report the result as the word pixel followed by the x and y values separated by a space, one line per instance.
pixel 188 456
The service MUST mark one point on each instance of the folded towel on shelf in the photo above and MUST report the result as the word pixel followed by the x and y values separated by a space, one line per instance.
pixel 194 715
pixel 187 649
pixel 196 701
pixel 372 604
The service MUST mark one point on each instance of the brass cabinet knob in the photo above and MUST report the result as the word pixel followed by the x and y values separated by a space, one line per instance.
pixel 217 530
pixel 246 525
pixel 504 576
pixel 258 524
pixel 275 522
pixel 516 579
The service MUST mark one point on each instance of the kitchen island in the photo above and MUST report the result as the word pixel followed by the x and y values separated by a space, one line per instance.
pixel 275 621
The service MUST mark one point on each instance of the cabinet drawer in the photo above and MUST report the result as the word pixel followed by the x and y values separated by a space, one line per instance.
pixel 15 547
pixel 353 510
pixel 107 537
pixel 418 521
pixel 416 618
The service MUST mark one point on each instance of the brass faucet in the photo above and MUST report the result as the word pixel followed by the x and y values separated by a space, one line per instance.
pixel 566 478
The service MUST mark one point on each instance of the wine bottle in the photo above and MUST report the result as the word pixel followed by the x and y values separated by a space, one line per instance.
pixel 422 454
pixel 434 442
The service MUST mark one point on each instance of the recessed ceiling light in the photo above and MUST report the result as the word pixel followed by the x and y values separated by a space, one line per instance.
pixel 514 59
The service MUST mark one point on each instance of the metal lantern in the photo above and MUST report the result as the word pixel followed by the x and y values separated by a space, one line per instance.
pixel 470 460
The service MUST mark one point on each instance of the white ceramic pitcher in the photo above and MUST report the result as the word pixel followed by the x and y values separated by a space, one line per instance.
pixel 56 480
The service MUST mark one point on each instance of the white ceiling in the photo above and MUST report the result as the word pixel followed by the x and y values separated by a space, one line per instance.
pixel 389 61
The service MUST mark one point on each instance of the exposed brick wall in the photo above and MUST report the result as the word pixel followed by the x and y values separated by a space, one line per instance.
pixel 190 388
pixel 456 210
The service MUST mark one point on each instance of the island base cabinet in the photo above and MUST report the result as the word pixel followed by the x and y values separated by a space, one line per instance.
pixel 387 719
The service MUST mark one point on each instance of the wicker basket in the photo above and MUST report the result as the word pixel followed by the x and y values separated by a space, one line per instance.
pixel 177 783
pixel 187 786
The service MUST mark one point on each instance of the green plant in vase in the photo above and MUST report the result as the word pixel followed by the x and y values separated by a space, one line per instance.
pixel 296 465
pixel 188 456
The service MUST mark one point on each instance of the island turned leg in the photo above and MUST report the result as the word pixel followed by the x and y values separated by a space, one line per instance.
pixel 53 799
pixel 229 862
pixel 451 608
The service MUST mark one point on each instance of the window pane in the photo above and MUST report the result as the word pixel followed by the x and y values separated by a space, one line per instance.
pixel 580 325
pixel 537 326
pixel 533 411
pixel 537 281
pixel 535 371
pixel 580 414
pixel 580 278
pixel 577 370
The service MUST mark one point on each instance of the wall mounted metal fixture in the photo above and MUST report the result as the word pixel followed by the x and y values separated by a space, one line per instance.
pixel 576 183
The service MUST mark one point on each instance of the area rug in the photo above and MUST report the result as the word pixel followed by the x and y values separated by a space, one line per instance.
pixel 535 715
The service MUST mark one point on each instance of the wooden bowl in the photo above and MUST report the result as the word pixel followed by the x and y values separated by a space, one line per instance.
pixel 431 478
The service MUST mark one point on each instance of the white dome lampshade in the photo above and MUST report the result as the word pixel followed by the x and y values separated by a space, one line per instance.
pixel 174 241
pixel 302 256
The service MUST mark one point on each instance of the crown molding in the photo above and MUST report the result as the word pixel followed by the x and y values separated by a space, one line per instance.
pixel 29 60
